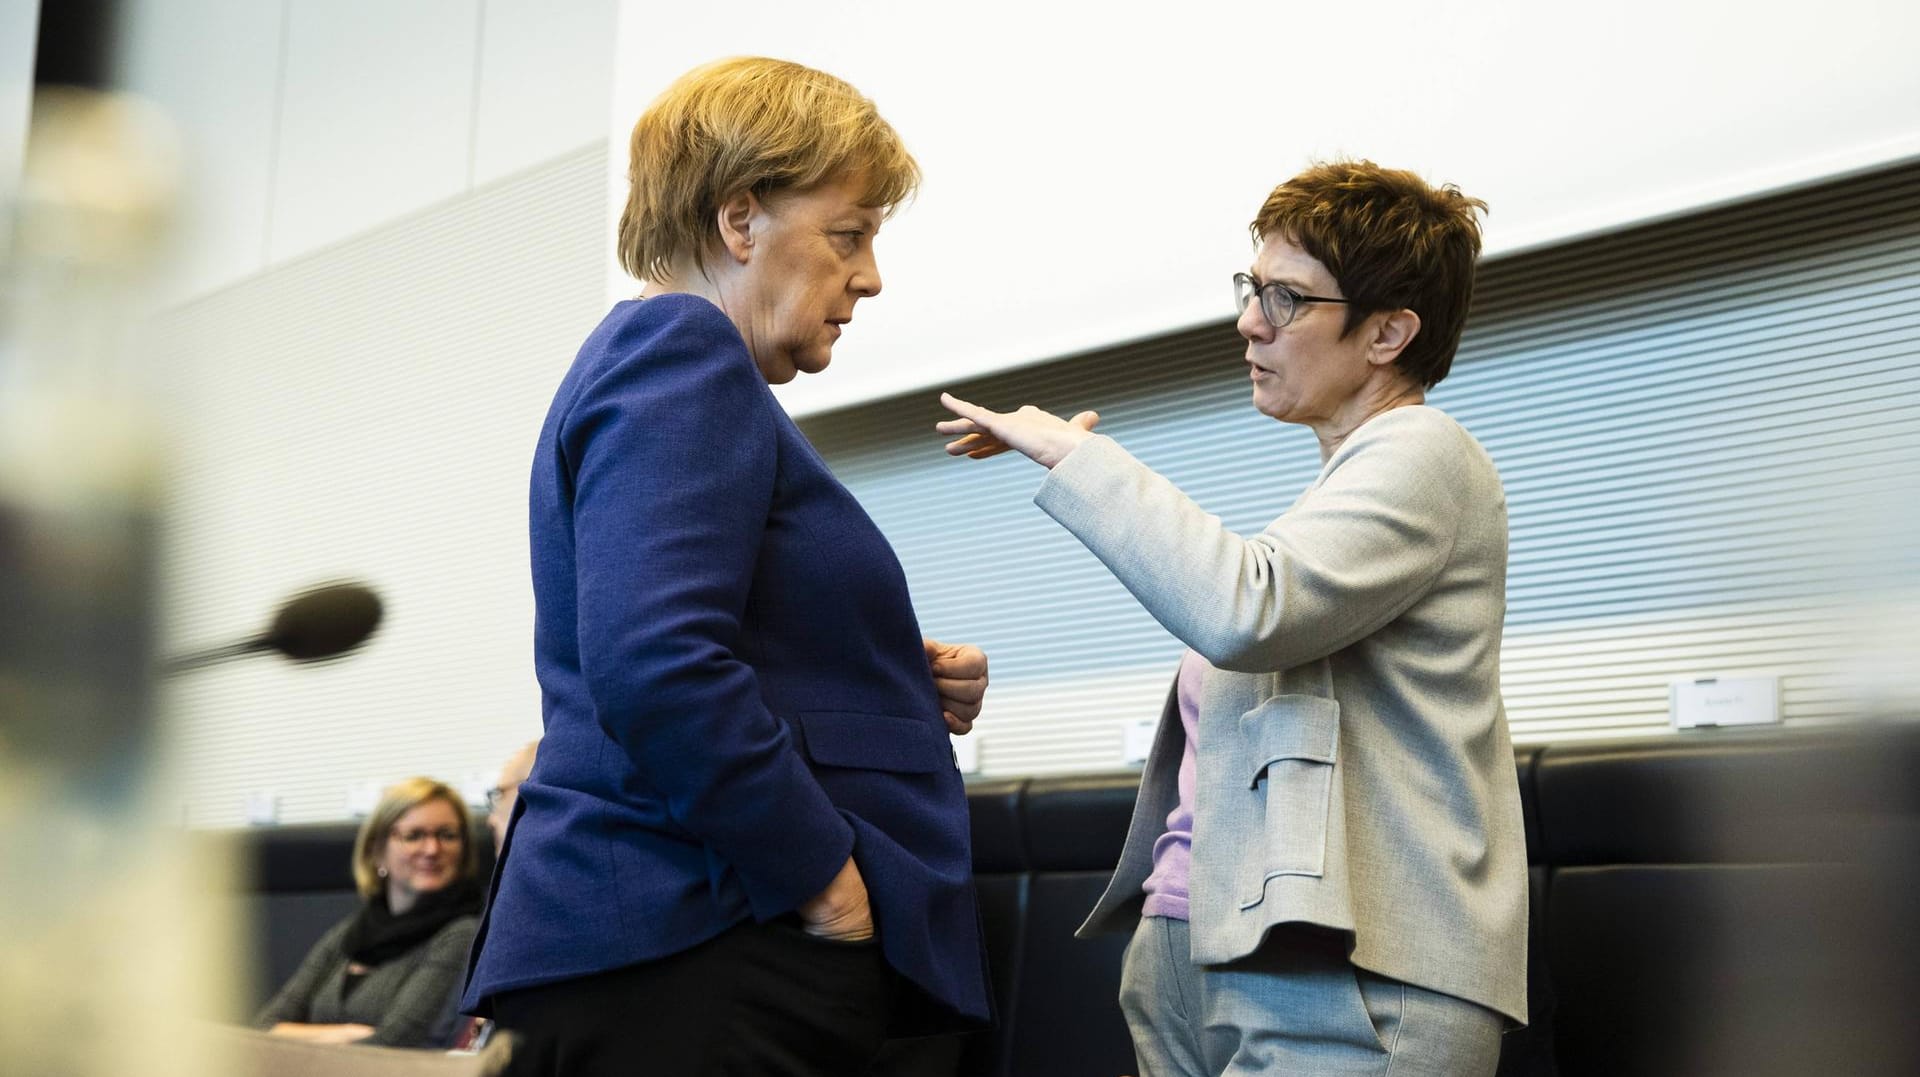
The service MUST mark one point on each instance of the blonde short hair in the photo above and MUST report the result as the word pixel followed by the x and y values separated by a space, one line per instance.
pixel 370 845
pixel 748 124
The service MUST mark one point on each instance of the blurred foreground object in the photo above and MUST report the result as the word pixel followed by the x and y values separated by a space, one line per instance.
pixel 317 624
pixel 79 443
pixel 106 952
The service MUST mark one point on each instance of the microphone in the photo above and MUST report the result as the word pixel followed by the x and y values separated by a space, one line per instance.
pixel 318 623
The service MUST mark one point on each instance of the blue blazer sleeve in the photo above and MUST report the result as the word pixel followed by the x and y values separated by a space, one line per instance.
pixel 672 452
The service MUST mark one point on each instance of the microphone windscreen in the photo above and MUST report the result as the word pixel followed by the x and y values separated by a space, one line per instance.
pixel 325 621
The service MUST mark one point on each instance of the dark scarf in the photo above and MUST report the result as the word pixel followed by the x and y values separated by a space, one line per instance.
pixel 377 935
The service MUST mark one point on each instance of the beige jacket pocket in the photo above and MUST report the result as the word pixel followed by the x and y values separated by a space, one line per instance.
pixel 1291 743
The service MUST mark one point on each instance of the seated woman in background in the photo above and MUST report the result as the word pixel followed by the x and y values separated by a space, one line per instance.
pixel 390 973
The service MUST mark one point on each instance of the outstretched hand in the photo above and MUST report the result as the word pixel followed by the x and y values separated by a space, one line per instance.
pixel 1040 436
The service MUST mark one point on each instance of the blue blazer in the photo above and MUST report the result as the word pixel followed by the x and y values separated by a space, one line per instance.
pixel 735 693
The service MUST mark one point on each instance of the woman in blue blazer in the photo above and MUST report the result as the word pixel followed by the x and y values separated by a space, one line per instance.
pixel 744 846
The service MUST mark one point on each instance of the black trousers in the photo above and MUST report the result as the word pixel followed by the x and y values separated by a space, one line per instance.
pixel 766 1000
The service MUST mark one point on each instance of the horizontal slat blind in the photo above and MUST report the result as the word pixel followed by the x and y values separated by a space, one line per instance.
pixel 1700 424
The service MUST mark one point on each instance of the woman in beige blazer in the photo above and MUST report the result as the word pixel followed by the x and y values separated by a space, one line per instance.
pixel 1327 845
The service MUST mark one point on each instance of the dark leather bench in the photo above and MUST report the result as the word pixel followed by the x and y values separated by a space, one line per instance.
pixel 1723 903
pixel 1727 903
pixel 1733 904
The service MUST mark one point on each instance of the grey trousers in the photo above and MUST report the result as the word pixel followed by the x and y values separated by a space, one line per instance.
pixel 1297 1007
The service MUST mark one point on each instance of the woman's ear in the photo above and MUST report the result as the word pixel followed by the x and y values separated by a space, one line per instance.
pixel 736 219
pixel 1392 336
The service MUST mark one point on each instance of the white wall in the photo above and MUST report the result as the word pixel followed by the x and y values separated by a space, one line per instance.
pixel 369 412
pixel 391 246
pixel 1091 166
pixel 310 121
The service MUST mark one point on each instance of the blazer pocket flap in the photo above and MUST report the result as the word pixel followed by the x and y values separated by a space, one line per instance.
pixel 875 742
pixel 1290 727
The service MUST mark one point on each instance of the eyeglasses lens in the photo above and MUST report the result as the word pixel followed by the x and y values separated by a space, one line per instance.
pixel 1242 292
pixel 447 836
pixel 1277 305
pixel 1275 302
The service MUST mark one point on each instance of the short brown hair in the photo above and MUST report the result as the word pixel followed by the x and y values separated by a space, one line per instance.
pixel 400 798
pixel 1392 242
pixel 748 124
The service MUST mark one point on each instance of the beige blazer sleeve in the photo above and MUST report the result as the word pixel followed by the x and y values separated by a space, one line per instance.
pixel 1363 544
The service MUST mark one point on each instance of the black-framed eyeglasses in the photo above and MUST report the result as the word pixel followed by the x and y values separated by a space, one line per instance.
pixel 1277 301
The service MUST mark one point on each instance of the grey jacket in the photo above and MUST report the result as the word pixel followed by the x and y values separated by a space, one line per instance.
pixel 410 1001
pixel 1354 767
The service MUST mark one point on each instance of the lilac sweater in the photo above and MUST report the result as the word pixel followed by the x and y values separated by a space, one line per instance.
pixel 1166 888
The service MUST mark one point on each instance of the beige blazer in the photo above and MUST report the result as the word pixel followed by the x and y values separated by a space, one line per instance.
pixel 1354 767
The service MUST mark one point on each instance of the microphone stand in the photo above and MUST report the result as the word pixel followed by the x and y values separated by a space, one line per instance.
pixel 183 663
